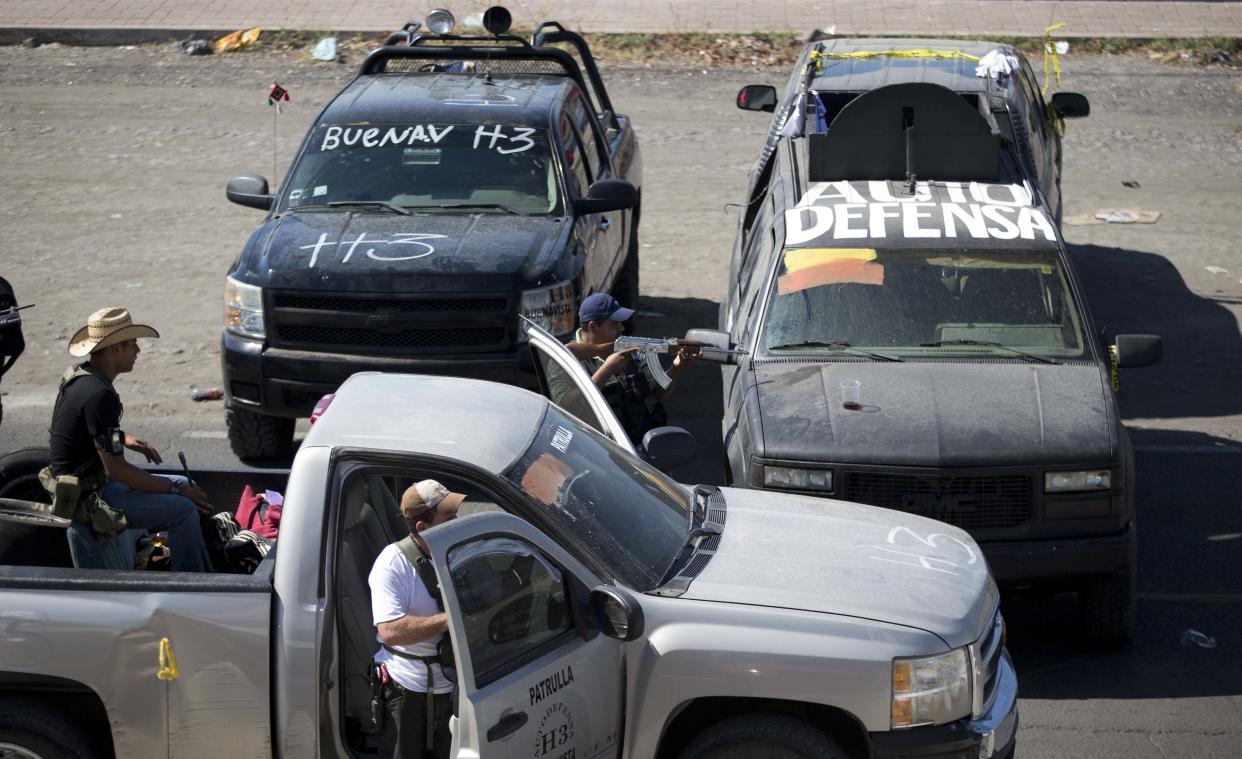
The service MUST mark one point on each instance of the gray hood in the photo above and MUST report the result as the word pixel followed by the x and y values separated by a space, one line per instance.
pixel 936 414
pixel 816 554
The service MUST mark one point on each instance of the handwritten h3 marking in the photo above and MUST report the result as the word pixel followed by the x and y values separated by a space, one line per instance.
pixel 937 541
pixel 401 238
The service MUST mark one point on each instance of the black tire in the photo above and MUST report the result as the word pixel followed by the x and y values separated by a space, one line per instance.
pixel 762 736
pixel 258 437
pixel 625 289
pixel 32 730
pixel 19 475
pixel 1107 606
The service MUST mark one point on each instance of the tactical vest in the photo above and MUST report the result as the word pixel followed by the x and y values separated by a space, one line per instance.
pixel 76 496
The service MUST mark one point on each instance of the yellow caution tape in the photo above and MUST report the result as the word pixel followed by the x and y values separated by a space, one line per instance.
pixel 168 662
pixel 1050 53
pixel 819 57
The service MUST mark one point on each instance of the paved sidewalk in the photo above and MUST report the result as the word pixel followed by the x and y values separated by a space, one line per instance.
pixel 1114 18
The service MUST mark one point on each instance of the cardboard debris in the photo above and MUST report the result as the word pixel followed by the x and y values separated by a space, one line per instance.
pixel 1113 216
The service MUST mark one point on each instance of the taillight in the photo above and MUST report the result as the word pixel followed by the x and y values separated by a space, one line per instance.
pixel 322 406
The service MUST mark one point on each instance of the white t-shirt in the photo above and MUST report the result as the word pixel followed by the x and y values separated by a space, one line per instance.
pixel 397 590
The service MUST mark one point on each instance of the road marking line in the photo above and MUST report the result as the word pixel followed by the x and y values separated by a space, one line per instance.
pixel 1170 448
pixel 1192 598
pixel 208 434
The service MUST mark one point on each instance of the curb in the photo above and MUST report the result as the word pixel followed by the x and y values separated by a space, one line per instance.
pixel 111 37
pixel 115 36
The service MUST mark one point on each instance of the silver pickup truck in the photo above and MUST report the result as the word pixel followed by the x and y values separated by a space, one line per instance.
pixel 597 607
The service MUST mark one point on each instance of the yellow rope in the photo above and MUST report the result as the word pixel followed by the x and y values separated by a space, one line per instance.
pixel 168 662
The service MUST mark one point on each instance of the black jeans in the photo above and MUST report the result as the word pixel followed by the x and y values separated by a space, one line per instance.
pixel 404 735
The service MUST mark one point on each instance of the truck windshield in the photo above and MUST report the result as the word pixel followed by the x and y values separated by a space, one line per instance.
pixel 912 303
pixel 624 512
pixel 493 168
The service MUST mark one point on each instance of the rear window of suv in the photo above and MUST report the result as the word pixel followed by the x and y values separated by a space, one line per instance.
pixel 474 167
pixel 902 301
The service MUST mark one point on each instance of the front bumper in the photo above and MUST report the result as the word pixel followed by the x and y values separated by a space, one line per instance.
pixel 992 736
pixel 1053 560
pixel 284 382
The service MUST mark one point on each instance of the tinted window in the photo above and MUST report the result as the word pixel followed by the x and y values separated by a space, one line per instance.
pixel 579 177
pixel 901 299
pixel 428 166
pixel 512 601
pixel 630 516
pixel 590 148
pixel 564 392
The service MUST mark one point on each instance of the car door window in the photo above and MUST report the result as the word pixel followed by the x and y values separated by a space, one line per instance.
pixel 586 135
pixel 1035 114
pixel 512 601
pixel 570 385
pixel 564 392
pixel 579 178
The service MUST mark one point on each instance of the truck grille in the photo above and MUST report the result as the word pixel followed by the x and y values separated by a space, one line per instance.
pixel 985 655
pixel 398 325
pixel 971 502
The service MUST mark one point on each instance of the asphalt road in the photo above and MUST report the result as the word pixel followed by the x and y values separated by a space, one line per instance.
pixel 114 168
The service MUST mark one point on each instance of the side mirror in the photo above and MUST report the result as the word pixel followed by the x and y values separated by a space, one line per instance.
pixel 1071 105
pixel 249 190
pixel 616 613
pixel 757 97
pixel 1138 350
pixel 667 448
pixel 607 195
pixel 716 339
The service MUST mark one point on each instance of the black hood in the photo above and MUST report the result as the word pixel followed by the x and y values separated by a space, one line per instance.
pixel 936 414
pixel 417 253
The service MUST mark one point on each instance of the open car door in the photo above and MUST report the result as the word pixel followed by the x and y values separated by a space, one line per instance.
pixel 535 677
pixel 564 381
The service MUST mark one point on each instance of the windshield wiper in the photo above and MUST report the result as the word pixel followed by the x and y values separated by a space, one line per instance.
pixel 992 344
pixel 835 345
pixel 355 204
pixel 497 206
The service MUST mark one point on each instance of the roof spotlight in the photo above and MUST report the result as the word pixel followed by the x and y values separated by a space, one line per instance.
pixel 440 21
pixel 497 20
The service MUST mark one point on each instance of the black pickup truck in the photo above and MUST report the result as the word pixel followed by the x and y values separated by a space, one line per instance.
pixel 456 185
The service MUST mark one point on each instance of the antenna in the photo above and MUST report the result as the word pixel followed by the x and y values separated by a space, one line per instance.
pixel 907 123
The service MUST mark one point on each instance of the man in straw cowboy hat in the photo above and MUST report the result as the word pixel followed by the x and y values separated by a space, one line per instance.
pixel 89 477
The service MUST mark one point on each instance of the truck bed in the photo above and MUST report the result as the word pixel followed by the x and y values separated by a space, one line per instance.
pixel 32 537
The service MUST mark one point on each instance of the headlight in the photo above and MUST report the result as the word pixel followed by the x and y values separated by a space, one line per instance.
pixel 794 478
pixel 931 690
pixel 243 309
pixel 1064 482
pixel 552 308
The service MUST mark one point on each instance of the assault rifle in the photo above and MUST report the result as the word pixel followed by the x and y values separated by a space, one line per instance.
pixel 11 341
pixel 648 347
pixel 10 317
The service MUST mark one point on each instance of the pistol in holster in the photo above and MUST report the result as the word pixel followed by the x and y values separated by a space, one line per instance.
pixel 379 712
pixel 66 491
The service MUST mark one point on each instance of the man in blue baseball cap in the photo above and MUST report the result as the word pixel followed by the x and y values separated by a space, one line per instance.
pixel 628 386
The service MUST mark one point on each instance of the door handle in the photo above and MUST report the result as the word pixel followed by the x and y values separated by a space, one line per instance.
pixel 604 224
pixel 508 724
